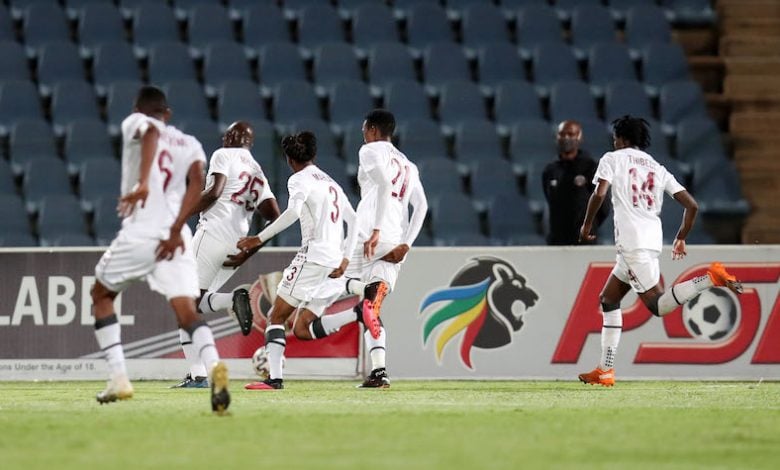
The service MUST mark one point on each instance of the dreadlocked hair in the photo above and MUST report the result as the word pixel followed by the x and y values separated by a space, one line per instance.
pixel 301 147
pixel 635 131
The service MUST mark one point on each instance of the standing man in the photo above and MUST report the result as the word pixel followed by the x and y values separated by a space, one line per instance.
pixel 567 186
pixel 162 177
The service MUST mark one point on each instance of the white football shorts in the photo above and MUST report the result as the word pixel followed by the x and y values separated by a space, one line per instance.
pixel 210 253
pixel 639 268
pixel 302 280
pixel 131 258
pixel 372 270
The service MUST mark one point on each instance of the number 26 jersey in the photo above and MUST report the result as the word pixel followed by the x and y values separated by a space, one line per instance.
pixel 638 186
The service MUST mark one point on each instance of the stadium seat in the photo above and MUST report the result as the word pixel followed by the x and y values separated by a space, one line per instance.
pixel 534 191
pixel 71 100
pixel 239 100
pixel 460 100
pixel 294 100
pixel 537 24
pixel 154 23
pixel 421 138
pixel 87 139
pixel 530 141
pixel 187 100
pixel 444 62
pixel 335 62
pixel 679 100
pixel 7 185
pixel 591 24
pixel 68 239
pixel 509 215
pixel 526 239
pixel 348 100
pixel 698 138
pixel 319 23
pixel 6 25
pixel 58 61
pixel 326 141
pixel 224 61
pixel 646 24
pixel 498 63
pixel 29 139
pixel 470 239
pixel 476 140
pixel 620 8
pixel 264 24
pixel 45 176
pixel 426 24
pixel 113 62
pixel 663 63
pixel 566 8
pixel 626 97
pixel 280 62
pixel 372 24
pixel 44 22
pixel 207 133
pixel 60 215
pixel 207 24
pixel 671 219
pixel 291 236
pixel 571 99
pixel 483 24
pixel 99 178
pixel 352 134
pixel 453 214
pixel 13 62
pixel 18 99
pixel 553 62
pixel 119 102
pixel 407 99
pixel 294 6
pixel 689 12
pixel 440 175
pixel 491 180
pixel 515 101
pixel 717 188
pixel 423 238
pixel 336 169
pixel 388 62
pixel 14 215
pixel 596 138
pixel 659 147
pixel 105 222
pixel 266 147
pixel 609 62
pixel 100 23
pixel 170 61
pixel 17 240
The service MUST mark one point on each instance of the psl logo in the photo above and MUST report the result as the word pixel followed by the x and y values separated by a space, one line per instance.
pixel 487 298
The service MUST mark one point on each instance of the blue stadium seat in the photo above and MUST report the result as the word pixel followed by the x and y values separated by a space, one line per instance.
pixel 105 221
pixel 626 97
pixel 698 138
pixel 565 8
pixel 207 133
pixel 509 215
pixel 424 238
pixel 29 139
pixel 596 138
pixel 336 169
pixel 498 63
pixel 671 219
pixel 290 236
pixel 526 239
pixel 153 23
pixel 224 61
pixel 265 150
pixel 537 24
pixel 119 102
pixel 620 8
pixel 645 25
pixel 60 215
pixel 13 215
pixel 7 185
pixel 470 239
pixel 534 191
pixel 717 188
pixel 207 24
pixel 440 175
pixel 663 63
pixel 58 61
pixel 18 240
pixel 609 62
pixel 99 178
pixel 388 62
pixel 492 179
pixel 372 24
pixel 689 12
pixel 264 24
pixel 477 140
pixel 571 99
pixel 510 6
pixel 483 24
pixel 71 100
pixel 553 62
pixel 45 176
pixel 113 62
pixel 461 100
pixel 530 141
pixel 294 100
pixel 659 149
pixel 349 100
pixel 453 214
pixel 335 62
pixel 515 101
pixel 6 25
pixel 352 139
pixel 13 62
pixel 18 99
pixel 421 138
pixel 280 62
pixel 444 62
pixel 87 139
pixel 100 23
pixel 326 140
pixel 68 239
pixel 426 24
pixel 170 61
pixel 679 100
pixel 239 100
pixel 407 99
pixel 591 25
pixel 187 100
pixel 44 22
pixel 319 23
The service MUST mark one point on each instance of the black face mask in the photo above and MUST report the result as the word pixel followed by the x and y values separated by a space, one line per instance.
pixel 567 145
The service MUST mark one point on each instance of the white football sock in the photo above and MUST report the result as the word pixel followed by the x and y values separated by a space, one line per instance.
pixel 681 293
pixel 376 348
pixel 203 344
pixel 333 323
pixel 213 302
pixel 610 337
pixel 108 334
pixel 356 287
pixel 197 369
pixel 275 342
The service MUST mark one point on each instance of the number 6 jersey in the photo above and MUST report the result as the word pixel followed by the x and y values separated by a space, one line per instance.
pixel 245 188
pixel 638 186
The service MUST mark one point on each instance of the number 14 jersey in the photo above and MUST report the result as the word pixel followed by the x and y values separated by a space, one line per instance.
pixel 638 186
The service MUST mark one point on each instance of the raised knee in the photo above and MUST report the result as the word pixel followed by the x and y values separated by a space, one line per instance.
pixel 608 305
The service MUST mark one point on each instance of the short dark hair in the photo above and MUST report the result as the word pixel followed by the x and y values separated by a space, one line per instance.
pixel 383 120
pixel 301 147
pixel 151 100
pixel 635 131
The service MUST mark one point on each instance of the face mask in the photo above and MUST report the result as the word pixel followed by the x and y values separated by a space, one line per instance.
pixel 567 145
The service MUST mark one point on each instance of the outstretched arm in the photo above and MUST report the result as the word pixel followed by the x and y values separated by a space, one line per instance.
pixel 350 218
pixel 287 218
pixel 268 210
pixel 594 204
pixel 689 217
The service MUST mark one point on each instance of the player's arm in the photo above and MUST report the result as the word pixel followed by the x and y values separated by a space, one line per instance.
pixel 348 247
pixel 287 218
pixel 419 203
pixel 689 217
pixel 167 248
pixel 267 210
pixel 210 195
pixel 149 137
pixel 384 191
pixel 594 204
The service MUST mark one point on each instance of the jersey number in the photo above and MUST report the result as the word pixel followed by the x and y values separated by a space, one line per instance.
pixel 251 184
pixel 334 214
pixel 164 163
pixel 642 191
pixel 401 176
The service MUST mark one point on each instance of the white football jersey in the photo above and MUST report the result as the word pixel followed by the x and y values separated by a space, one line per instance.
pixel 638 184
pixel 404 177
pixel 322 226
pixel 176 152
pixel 245 188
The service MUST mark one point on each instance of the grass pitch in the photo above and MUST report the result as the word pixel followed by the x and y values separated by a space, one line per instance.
pixel 453 425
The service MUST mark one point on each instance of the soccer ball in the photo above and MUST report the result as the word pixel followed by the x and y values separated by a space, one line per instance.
pixel 260 363
pixel 711 315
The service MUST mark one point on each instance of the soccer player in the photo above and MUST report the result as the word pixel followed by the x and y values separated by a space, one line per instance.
pixel 638 183
pixel 389 184
pixel 162 176
pixel 322 207
pixel 236 189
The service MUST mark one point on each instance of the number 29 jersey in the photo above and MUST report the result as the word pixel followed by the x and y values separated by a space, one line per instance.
pixel 245 188
pixel 638 185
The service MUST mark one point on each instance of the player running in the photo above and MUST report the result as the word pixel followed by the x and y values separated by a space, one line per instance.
pixel 162 176
pixel 638 183
pixel 236 189
pixel 322 207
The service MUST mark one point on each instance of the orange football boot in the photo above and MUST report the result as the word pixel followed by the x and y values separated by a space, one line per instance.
pixel 599 377
pixel 721 278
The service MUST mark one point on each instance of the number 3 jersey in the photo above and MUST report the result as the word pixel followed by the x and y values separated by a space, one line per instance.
pixel 245 188
pixel 638 185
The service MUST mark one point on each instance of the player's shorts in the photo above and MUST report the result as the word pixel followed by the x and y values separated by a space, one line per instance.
pixel 371 270
pixel 210 253
pixel 302 280
pixel 132 258
pixel 639 269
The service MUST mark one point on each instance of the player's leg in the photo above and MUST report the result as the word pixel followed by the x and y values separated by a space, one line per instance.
pixel 662 303
pixel 108 334
pixel 383 275
pixel 276 342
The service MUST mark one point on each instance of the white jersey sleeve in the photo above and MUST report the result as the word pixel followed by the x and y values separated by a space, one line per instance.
pixel 671 185
pixel 375 165
pixel 220 163
pixel 419 203
pixel 297 189
pixel 606 169
pixel 135 126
